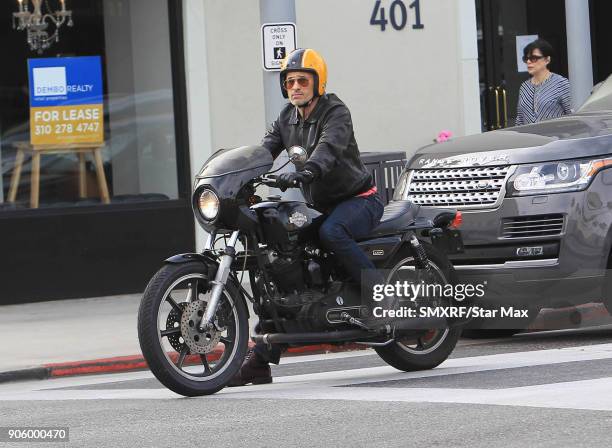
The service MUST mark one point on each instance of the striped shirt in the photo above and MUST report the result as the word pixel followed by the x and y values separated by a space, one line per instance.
pixel 551 99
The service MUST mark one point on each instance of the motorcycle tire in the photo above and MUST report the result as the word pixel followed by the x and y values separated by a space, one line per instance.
pixel 160 360
pixel 433 347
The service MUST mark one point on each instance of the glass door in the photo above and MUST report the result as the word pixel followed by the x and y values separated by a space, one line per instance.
pixel 504 28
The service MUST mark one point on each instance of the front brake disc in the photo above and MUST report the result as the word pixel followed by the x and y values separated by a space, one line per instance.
pixel 172 321
pixel 197 341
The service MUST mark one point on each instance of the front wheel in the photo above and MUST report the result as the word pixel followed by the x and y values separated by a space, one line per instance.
pixel 426 349
pixel 184 359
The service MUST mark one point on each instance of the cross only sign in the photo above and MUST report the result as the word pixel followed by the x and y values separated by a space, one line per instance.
pixel 278 42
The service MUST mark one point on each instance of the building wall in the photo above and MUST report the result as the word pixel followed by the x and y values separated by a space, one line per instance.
pixel 234 73
pixel 402 87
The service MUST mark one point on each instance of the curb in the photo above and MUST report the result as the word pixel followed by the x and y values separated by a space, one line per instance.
pixel 122 364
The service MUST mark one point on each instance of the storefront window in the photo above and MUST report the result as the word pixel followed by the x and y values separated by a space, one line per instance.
pixel 89 120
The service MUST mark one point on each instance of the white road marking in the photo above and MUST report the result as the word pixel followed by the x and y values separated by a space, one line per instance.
pixel 595 394
pixel 586 395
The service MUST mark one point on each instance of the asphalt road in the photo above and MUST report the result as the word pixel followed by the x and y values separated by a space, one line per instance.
pixel 532 390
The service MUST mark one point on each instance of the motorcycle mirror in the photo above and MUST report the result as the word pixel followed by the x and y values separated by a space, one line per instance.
pixel 297 155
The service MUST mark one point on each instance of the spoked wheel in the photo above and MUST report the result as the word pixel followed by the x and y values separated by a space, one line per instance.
pixel 186 360
pixel 425 349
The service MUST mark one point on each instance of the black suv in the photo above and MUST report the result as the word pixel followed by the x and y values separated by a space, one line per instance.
pixel 536 203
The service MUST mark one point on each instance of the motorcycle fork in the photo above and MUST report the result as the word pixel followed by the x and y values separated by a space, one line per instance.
pixel 218 284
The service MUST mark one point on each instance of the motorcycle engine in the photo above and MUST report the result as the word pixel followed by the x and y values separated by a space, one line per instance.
pixel 308 298
pixel 299 269
pixel 287 271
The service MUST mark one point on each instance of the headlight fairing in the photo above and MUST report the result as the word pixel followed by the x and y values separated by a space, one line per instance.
pixel 208 204
pixel 555 177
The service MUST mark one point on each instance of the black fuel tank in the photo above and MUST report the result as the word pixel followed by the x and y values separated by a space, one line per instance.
pixel 286 222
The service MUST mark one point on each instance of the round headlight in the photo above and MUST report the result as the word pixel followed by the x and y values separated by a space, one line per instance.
pixel 208 204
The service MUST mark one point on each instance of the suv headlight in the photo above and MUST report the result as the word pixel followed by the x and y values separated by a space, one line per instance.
pixel 208 203
pixel 555 177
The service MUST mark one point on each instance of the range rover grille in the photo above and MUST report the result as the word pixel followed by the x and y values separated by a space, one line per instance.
pixel 458 187
pixel 530 226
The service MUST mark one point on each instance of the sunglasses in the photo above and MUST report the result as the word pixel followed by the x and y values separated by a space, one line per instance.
pixel 532 58
pixel 302 82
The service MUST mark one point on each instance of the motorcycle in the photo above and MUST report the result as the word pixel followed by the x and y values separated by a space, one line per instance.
pixel 193 320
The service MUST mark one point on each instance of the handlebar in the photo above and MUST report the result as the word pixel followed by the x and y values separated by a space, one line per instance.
pixel 270 181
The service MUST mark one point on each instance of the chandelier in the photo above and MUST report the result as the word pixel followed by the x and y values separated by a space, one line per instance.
pixel 37 24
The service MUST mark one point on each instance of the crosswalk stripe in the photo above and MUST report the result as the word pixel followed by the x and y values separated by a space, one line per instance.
pixel 594 394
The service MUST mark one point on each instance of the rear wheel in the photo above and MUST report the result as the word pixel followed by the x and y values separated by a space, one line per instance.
pixel 425 349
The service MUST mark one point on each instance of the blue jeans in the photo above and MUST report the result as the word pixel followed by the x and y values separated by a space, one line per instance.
pixel 348 221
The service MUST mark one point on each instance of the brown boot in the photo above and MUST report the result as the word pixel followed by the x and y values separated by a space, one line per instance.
pixel 254 370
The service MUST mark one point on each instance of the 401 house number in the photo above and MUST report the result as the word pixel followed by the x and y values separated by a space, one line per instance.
pixel 399 15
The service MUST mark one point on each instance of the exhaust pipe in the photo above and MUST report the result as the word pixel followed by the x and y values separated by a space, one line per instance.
pixel 313 338
pixel 428 323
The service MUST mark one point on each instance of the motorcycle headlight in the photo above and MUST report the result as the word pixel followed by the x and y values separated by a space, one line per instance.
pixel 208 203
pixel 555 177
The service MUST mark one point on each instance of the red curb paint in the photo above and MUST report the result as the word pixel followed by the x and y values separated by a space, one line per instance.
pixel 109 368
pixel 126 359
pixel 325 348
pixel 136 362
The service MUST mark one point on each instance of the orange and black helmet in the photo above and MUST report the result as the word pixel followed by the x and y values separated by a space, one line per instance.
pixel 305 60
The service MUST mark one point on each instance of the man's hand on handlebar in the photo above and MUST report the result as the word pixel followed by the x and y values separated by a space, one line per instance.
pixel 293 180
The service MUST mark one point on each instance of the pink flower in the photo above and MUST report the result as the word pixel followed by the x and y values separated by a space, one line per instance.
pixel 444 136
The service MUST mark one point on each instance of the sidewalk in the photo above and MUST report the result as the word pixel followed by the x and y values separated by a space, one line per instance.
pixel 80 336
pixel 99 335
pixel 68 330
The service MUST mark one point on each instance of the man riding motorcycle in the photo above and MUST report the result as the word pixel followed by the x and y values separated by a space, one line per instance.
pixel 333 178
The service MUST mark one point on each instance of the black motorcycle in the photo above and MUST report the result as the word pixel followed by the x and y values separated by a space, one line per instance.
pixel 193 322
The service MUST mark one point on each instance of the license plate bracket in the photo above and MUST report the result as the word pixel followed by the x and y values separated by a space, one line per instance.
pixel 448 241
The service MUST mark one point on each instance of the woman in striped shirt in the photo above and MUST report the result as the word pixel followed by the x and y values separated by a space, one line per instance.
pixel 546 95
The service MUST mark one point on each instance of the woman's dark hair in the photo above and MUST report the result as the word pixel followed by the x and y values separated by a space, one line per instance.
pixel 545 48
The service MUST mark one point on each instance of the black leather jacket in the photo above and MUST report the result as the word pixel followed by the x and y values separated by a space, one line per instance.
pixel 333 156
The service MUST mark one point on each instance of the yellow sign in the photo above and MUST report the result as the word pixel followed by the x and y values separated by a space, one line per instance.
pixel 67 124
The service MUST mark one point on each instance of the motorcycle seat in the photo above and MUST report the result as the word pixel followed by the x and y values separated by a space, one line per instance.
pixel 398 216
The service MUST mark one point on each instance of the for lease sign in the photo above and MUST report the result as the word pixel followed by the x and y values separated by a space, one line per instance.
pixel 66 100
